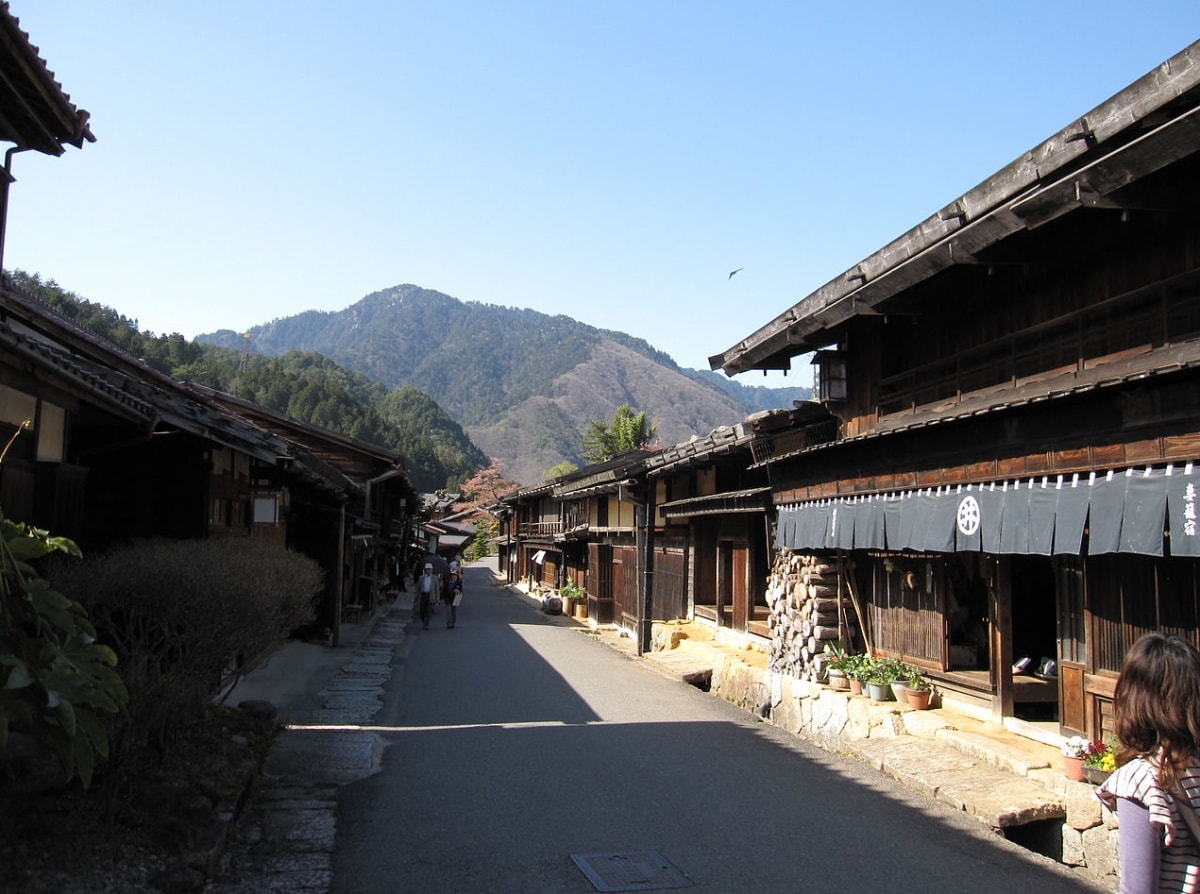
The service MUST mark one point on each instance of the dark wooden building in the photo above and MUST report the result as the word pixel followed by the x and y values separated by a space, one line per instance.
pixel 1007 467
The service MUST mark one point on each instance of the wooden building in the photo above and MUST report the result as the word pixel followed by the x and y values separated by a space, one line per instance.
pixel 374 511
pixel 1003 459
pixel 105 450
pixel 679 533
pixel 101 448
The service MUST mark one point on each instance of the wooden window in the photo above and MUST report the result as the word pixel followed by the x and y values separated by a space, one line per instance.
pixel 1072 629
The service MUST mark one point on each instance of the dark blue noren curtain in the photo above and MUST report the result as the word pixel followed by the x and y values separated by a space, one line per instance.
pixel 968 520
pixel 869 524
pixel 1070 516
pixel 1183 505
pixel 892 509
pixel 991 515
pixel 844 527
pixel 907 534
pixel 784 527
pixel 821 525
pixel 1107 503
pixel 1014 523
pixel 1145 513
pixel 1043 502
pixel 938 516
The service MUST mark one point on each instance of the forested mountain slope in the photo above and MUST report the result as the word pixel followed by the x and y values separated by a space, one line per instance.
pixel 524 385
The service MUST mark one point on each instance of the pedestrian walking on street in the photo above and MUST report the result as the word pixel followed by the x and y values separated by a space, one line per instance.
pixel 1156 790
pixel 429 590
pixel 452 596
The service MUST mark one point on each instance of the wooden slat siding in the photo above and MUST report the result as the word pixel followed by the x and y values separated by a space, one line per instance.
pixel 625 582
pixel 1129 596
pixel 704 570
pixel 739 586
pixel 909 624
pixel 1119 310
pixel 670 584
pixel 600 583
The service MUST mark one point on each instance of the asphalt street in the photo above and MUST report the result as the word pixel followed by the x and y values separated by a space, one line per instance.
pixel 519 754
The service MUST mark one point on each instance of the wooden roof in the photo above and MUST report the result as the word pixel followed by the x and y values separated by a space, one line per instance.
pixel 35 113
pixel 1104 159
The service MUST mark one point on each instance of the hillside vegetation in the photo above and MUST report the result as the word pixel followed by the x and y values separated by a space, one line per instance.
pixel 302 384
pixel 523 384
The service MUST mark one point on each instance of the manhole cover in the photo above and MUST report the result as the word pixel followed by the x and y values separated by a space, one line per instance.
pixel 630 871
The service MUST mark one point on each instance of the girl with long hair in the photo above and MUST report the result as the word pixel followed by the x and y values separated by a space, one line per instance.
pixel 1157 720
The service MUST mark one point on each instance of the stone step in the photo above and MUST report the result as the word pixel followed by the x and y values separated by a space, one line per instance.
pixel 996 797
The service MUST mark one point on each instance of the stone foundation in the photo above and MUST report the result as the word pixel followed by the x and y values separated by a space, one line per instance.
pixel 836 720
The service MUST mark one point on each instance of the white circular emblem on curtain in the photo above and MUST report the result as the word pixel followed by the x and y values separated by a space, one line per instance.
pixel 968 516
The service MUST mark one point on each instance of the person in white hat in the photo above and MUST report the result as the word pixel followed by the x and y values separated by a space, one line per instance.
pixel 429 590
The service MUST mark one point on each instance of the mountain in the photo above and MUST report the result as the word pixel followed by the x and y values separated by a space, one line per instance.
pixel 524 385
pixel 304 385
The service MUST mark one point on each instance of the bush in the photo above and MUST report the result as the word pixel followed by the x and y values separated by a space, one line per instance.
pixel 56 681
pixel 181 615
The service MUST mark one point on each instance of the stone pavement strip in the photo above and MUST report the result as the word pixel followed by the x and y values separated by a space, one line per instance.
pixel 284 842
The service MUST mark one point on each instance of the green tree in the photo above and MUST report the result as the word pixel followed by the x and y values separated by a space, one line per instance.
pixel 566 467
pixel 628 431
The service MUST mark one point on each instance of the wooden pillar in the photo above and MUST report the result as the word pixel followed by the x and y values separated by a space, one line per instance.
pixel 1000 598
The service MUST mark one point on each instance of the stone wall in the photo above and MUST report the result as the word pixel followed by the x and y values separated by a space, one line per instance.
pixel 844 723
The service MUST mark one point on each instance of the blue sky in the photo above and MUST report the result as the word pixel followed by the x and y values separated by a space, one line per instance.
pixel 612 161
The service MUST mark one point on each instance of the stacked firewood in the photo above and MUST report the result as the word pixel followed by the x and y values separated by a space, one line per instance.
pixel 809 608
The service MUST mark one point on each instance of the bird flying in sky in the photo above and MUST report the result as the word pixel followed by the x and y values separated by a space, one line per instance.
pixel 735 271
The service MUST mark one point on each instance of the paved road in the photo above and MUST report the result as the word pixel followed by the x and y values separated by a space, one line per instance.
pixel 515 741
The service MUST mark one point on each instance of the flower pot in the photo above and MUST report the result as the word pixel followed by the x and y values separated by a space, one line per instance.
pixel 838 679
pixel 1095 775
pixel 900 691
pixel 856 686
pixel 1073 768
pixel 919 698
pixel 880 692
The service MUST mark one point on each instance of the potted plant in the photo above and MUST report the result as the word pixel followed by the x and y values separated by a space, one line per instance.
pixel 856 668
pixel 1074 750
pixel 900 675
pixel 918 691
pixel 835 667
pixel 878 678
pixel 576 597
pixel 1099 761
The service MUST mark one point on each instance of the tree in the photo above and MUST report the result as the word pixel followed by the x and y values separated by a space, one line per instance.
pixel 488 485
pixel 628 431
pixel 565 467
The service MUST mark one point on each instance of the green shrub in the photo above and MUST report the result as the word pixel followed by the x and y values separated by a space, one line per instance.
pixel 56 680
pixel 181 615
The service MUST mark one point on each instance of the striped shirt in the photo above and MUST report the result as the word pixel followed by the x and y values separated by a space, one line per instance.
pixel 1179 862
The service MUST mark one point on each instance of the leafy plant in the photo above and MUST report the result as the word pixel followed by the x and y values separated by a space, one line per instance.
pixel 916 680
pixel 572 591
pixel 57 680
pixel 838 659
pixel 628 431
pixel 881 669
